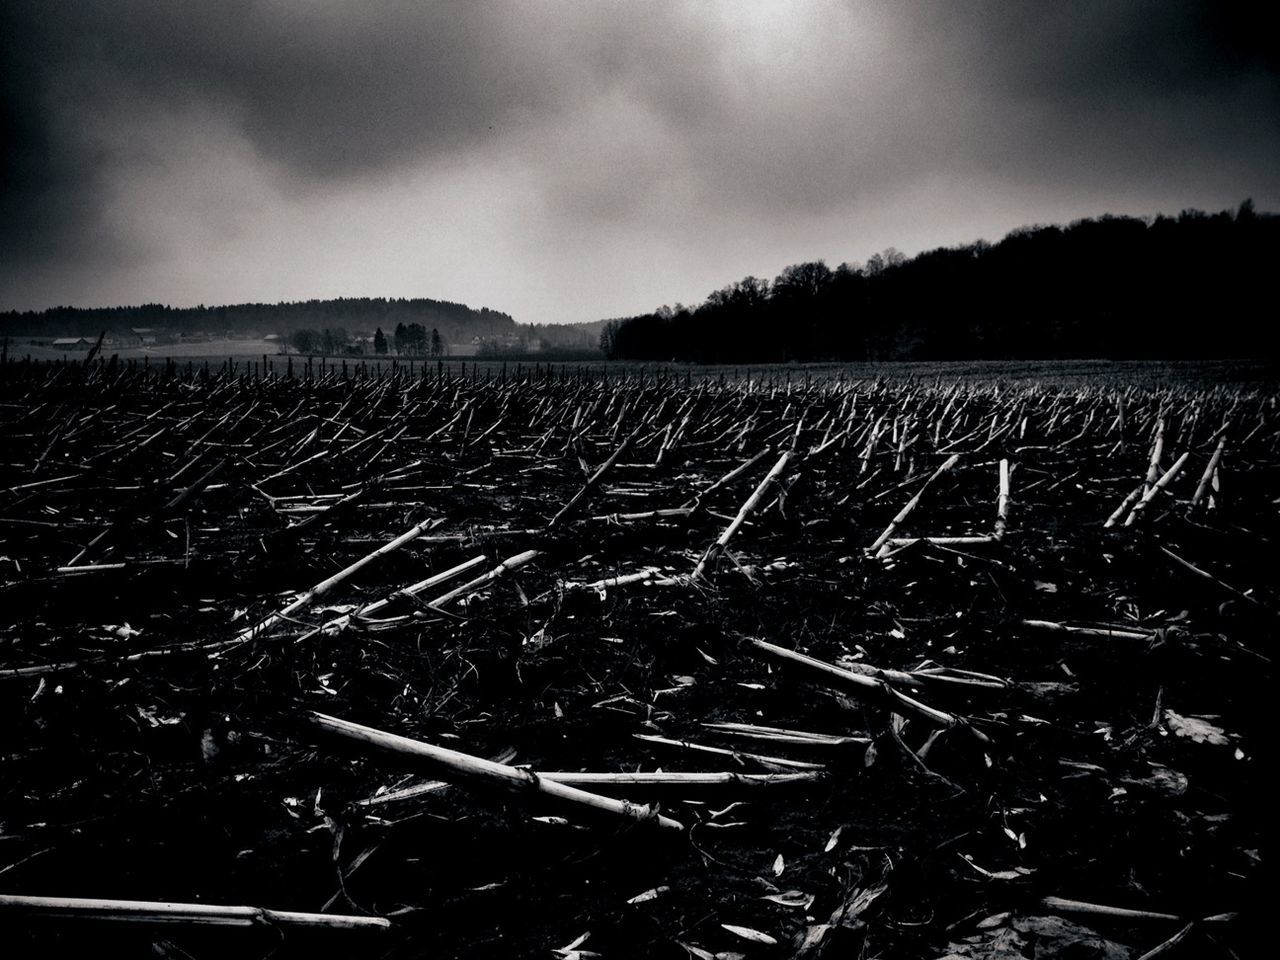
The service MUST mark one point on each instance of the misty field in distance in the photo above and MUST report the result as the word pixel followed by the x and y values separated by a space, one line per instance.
pixel 215 356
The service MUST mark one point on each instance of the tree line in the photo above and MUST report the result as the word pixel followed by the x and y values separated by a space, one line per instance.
pixel 410 339
pixel 1193 285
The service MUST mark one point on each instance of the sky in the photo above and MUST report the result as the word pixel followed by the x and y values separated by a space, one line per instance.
pixel 570 161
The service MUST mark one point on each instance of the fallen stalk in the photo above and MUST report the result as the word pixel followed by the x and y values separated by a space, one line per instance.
pixel 340 623
pixel 505 567
pixel 1203 486
pixel 152 912
pixel 782 735
pixel 607 583
pixel 1051 626
pixel 723 752
pixel 467 768
pixel 728 478
pixel 896 700
pixel 305 599
pixel 646 781
pixel 1002 503
pixel 1156 487
pixel 895 544
pixel 1157 448
pixel 682 780
pixel 594 480
pixel 1121 510
pixel 1192 568
pixel 912 503
pixel 1063 905
pixel 666 513
pixel 717 548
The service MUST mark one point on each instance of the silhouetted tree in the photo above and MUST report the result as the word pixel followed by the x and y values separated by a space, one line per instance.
pixel 334 340
pixel 607 333
pixel 305 340
pixel 379 341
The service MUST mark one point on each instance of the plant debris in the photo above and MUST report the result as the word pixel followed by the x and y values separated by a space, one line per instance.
pixel 634 665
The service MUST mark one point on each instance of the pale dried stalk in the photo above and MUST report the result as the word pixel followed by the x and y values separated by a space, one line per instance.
pixel 871 443
pixel 1063 905
pixel 291 468
pixel 912 503
pixel 895 544
pixel 1159 485
pixel 717 548
pixel 154 912
pixel 898 701
pixel 304 600
pixel 1157 448
pixel 594 480
pixel 751 731
pixel 647 781
pixel 1002 502
pixel 728 478
pixel 1052 626
pixel 423 585
pixel 956 677
pixel 1161 949
pixel 684 780
pixel 665 513
pixel 1203 486
pixel 607 583
pixel 722 752
pixel 1121 510
pixel 1192 568
pixel 476 769
pixel 407 793
pixel 672 438
pixel 340 623
pixel 505 567
pixel 826 445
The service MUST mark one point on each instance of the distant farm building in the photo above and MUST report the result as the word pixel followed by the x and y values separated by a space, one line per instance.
pixel 144 335
pixel 70 343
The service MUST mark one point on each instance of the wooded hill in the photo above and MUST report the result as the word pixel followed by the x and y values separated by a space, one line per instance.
pixel 455 321
pixel 1194 285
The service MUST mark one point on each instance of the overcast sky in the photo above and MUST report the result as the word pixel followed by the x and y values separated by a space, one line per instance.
pixel 568 161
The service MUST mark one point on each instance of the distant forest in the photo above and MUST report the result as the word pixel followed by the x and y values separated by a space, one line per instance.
pixel 325 325
pixel 1195 285
pixel 455 321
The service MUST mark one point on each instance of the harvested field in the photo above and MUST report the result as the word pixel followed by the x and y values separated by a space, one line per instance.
pixel 665 666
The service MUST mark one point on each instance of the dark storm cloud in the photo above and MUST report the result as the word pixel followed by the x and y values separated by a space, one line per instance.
pixel 1082 51
pixel 325 91
pixel 643 123
pixel 1108 79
